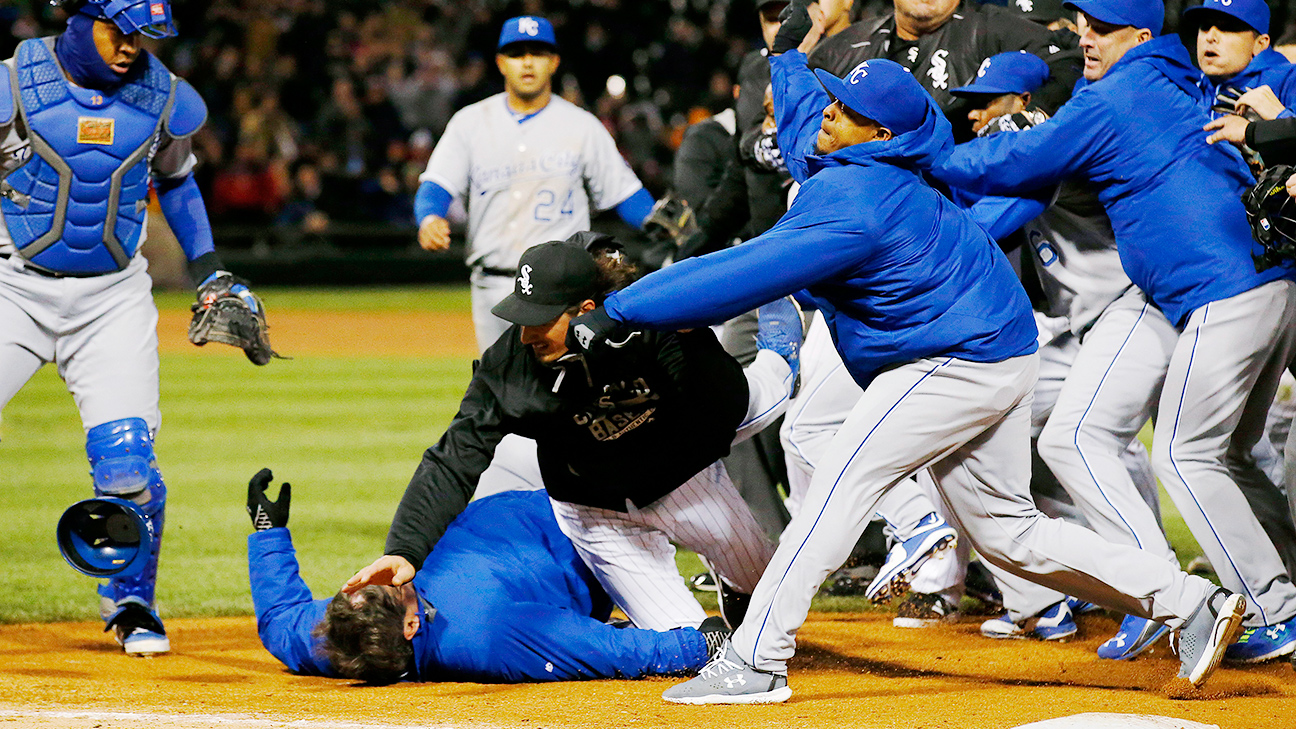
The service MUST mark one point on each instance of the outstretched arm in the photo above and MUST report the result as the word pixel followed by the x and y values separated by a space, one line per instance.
pixel 285 612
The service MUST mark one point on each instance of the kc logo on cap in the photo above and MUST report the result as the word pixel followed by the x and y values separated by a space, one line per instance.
pixel 860 73
pixel 528 26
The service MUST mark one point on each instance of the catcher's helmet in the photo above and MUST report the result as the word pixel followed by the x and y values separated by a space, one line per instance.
pixel 106 537
pixel 152 18
pixel 1272 214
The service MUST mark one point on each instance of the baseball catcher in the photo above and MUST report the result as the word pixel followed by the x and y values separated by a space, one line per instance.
pixel 228 312
pixel 1272 214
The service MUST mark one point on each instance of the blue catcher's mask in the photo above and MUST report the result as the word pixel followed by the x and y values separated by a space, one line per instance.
pixel 106 537
pixel 151 18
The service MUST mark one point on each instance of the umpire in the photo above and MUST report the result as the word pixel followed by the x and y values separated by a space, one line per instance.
pixel 629 439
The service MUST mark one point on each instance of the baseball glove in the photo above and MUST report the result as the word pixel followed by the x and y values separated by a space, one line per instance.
pixel 1272 214
pixel 228 312
pixel 671 220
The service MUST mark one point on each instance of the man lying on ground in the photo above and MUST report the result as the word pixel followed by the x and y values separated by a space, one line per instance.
pixel 504 597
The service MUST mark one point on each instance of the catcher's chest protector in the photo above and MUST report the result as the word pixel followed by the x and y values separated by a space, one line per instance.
pixel 77 205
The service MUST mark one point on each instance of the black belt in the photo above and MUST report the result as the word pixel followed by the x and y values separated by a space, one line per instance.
pixel 506 272
pixel 29 266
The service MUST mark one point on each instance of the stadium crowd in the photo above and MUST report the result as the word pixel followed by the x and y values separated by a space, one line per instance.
pixel 326 110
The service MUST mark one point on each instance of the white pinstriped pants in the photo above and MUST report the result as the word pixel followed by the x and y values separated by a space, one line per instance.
pixel 969 423
pixel 630 553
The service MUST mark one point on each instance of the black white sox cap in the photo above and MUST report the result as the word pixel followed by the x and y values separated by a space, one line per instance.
pixel 551 277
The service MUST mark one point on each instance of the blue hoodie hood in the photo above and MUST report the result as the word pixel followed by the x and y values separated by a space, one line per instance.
pixel 919 149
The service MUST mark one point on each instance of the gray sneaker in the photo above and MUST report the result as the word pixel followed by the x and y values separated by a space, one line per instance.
pixel 728 680
pixel 1210 629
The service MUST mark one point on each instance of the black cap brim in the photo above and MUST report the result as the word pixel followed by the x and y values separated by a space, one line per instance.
pixel 527 313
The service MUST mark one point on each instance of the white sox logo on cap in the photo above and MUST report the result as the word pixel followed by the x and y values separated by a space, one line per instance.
pixel 524 280
pixel 529 26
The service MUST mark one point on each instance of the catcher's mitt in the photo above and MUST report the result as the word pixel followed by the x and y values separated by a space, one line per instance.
pixel 671 220
pixel 1272 214
pixel 228 312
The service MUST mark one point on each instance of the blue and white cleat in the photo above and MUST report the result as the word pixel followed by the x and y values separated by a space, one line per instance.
pixel 1055 623
pixel 1082 607
pixel 1202 640
pixel 1135 636
pixel 1261 644
pixel 781 331
pixel 138 630
pixel 728 680
pixel 932 535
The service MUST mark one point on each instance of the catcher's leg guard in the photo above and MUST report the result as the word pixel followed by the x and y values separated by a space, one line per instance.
pixel 122 464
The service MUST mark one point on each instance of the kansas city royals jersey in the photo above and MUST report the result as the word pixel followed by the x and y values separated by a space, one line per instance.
pixel 527 180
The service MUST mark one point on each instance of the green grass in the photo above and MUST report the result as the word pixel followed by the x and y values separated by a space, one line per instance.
pixel 348 432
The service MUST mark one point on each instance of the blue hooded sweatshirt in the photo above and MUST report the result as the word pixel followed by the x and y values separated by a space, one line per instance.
pixel 504 597
pixel 1136 135
pixel 1268 68
pixel 898 272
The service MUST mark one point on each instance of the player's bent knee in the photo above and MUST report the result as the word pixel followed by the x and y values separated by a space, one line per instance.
pixel 122 463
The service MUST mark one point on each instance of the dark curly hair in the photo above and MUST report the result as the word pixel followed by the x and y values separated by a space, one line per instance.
pixel 363 635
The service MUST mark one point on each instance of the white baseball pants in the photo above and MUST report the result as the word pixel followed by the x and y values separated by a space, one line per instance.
pixel 828 395
pixel 100 331
pixel 969 423
pixel 1221 381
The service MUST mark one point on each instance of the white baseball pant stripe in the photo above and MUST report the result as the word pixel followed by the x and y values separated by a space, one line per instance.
pixel 828 394
pixel 1108 396
pixel 487 291
pixel 1222 377
pixel 100 331
pixel 514 466
pixel 970 423
pixel 632 557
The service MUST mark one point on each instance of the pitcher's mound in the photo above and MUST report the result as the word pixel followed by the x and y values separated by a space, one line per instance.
pixel 1117 721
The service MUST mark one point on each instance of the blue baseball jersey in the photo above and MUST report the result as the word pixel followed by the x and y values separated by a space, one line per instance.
pixel 898 271
pixel 1136 136
pixel 512 602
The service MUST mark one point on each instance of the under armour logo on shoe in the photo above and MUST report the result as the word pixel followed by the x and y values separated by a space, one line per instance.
pixel 524 281
pixel 733 681
pixel 1276 632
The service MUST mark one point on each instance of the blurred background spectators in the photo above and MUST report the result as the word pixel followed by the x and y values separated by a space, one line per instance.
pixel 324 112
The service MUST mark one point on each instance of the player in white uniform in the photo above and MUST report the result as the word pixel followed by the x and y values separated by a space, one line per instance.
pixel 87 120
pixel 529 167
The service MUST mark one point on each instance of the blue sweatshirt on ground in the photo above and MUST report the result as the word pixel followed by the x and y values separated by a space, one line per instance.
pixel 1136 135
pixel 898 272
pixel 513 602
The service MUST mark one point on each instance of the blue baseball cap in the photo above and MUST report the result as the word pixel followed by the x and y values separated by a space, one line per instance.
pixel 527 29
pixel 1148 14
pixel 1254 13
pixel 881 90
pixel 1015 72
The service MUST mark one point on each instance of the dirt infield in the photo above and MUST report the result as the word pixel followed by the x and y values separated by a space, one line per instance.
pixel 343 334
pixel 851 671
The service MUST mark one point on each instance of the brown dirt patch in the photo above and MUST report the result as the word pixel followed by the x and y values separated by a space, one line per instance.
pixel 851 671
pixel 296 332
